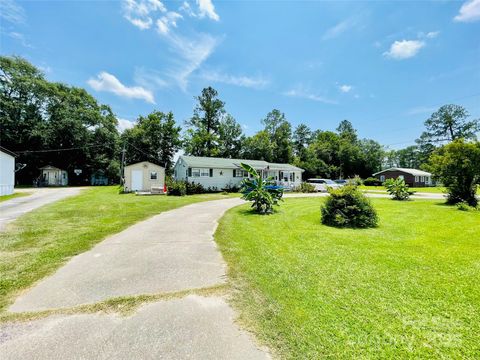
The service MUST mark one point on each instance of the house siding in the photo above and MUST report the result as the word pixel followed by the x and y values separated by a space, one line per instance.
pixel 7 173
pixel 410 179
pixel 223 177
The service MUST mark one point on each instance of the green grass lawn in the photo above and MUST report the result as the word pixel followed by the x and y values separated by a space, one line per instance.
pixel 407 289
pixel 14 195
pixel 36 244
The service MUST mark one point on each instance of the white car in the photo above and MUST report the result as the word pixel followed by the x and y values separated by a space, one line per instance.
pixel 323 185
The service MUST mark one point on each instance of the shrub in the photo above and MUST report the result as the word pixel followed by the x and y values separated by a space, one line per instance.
pixel 231 188
pixel 356 180
pixel 348 207
pixel 263 193
pixel 397 188
pixel 305 187
pixel 371 181
pixel 176 188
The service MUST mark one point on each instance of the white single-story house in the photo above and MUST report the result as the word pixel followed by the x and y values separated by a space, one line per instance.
pixel 412 177
pixel 7 171
pixel 144 177
pixel 220 173
pixel 53 176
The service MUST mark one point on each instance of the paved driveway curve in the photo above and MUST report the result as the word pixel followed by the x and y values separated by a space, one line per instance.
pixel 13 208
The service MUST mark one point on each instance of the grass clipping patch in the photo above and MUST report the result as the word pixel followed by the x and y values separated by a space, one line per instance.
pixel 348 207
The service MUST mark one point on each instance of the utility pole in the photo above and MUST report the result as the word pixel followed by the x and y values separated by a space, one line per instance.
pixel 122 165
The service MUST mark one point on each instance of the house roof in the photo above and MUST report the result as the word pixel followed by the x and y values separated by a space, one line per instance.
pixel 49 167
pixel 414 172
pixel 8 152
pixel 213 162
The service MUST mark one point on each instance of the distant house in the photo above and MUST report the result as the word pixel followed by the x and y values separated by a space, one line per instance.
pixel 412 177
pixel 144 177
pixel 220 173
pixel 7 171
pixel 52 176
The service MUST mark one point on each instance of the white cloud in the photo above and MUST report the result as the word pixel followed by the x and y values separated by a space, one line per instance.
pixel 339 28
pixel 149 78
pixel 206 8
pixel 12 12
pixel 469 12
pixel 124 124
pixel 21 38
pixel 243 81
pixel 404 49
pixel 432 34
pixel 345 88
pixel 166 22
pixel 109 83
pixel 139 12
pixel 301 92
pixel 192 54
pixel 421 110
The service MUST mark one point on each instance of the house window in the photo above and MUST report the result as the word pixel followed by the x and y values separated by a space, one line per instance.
pixel 153 175
pixel 204 172
pixel 196 172
pixel 292 177
pixel 241 173
pixel 416 179
pixel 382 178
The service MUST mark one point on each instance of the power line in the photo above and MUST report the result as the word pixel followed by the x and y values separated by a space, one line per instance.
pixel 58 150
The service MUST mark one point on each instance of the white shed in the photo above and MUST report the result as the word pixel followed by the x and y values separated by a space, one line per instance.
pixel 53 176
pixel 145 177
pixel 7 171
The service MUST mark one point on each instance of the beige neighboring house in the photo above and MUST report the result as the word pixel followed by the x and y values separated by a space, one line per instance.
pixel 144 177
pixel 53 176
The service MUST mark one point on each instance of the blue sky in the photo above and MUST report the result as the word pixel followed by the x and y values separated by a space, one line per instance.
pixel 385 66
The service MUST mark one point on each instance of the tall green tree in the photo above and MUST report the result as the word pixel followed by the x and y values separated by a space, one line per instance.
pixel 457 166
pixel 280 132
pixel 230 138
pixel 203 135
pixel 302 137
pixel 258 147
pixel 155 138
pixel 449 123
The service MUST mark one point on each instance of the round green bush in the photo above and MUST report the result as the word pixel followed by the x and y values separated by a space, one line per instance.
pixel 348 207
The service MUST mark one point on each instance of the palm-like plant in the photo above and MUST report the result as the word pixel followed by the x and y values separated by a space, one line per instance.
pixel 264 193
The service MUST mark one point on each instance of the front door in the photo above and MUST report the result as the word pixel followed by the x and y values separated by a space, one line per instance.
pixel 137 180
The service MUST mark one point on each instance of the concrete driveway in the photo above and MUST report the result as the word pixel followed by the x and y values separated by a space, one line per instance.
pixel 13 208
pixel 170 252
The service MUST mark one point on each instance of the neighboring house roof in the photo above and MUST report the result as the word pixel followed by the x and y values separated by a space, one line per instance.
pixel 8 152
pixel 141 162
pixel 414 172
pixel 50 167
pixel 212 162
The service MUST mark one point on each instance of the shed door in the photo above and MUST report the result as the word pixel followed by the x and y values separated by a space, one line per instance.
pixel 137 180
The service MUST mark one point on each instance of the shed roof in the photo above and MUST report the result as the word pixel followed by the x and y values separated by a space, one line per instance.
pixel 223 163
pixel 8 152
pixel 141 162
pixel 50 167
pixel 414 172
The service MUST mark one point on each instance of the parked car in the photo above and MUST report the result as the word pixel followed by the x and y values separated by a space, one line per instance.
pixel 323 184
pixel 342 182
